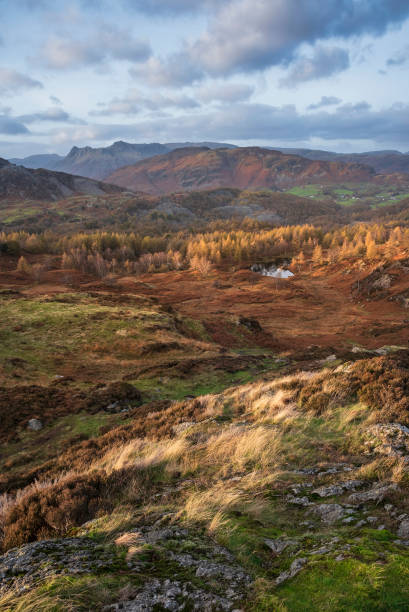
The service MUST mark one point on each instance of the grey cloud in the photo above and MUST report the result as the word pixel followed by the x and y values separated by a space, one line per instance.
pixel 65 52
pixel 264 123
pixel 52 114
pixel 135 102
pixel 55 100
pixel 325 101
pixel 325 62
pixel 399 58
pixel 13 82
pixel 226 92
pixel 8 125
pixel 249 35
pixel 176 70
pixel 254 34
pixel 170 7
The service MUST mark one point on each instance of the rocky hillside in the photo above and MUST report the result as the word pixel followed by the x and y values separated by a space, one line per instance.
pixel 99 163
pixel 244 168
pixel 19 183
pixel 283 494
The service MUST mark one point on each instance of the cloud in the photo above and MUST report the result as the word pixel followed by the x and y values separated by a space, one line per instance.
pixel 325 62
pixel 170 8
pixel 135 102
pixel 66 52
pixel 227 92
pixel 55 100
pixel 325 101
pixel 13 82
pixel 52 114
pixel 176 70
pixel 250 35
pixel 8 125
pixel 269 124
pixel 400 58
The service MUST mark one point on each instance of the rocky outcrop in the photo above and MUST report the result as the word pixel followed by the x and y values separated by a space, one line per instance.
pixel 39 560
pixel 388 439
pixel 329 513
pixel 377 494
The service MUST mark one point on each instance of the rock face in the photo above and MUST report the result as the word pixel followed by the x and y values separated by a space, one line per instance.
pixel 39 560
pixel 174 596
pixel 19 183
pixel 375 284
pixel 246 168
pixel 226 582
pixel 99 163
pixel 376 494
pixel 338 489
pixel 389 439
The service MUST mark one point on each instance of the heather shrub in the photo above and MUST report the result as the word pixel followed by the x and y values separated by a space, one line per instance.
pixel 52 511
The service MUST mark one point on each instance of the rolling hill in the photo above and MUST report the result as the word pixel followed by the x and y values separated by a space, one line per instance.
pixel 244 168
pixel 19 183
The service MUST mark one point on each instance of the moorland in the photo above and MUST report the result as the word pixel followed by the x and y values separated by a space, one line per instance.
pixel 180 432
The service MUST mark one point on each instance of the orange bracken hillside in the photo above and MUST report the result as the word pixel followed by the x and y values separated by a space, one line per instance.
pixel 244 168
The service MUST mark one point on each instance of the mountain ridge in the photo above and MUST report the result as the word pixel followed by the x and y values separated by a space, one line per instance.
pixel 244 168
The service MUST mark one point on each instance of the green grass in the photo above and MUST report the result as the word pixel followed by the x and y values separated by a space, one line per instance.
pixel 349 585
pixel 362 193
pixel 45 332
pixel 307 190
pixel 200 384
pixel 389 201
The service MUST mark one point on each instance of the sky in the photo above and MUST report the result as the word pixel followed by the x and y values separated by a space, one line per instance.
pixel 323 74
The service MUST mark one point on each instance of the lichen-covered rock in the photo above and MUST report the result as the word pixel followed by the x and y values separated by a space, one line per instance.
pixel 338 489
pixel 40 560
pixel 403 531
pixel 329 513
pixel 295 568
pixel 174 596
pixel 389 439
pixel 376 494
pixel 278 546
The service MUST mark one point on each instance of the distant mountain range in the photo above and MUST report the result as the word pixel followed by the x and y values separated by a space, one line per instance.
pixel 100 162
pixel 19 183
pixel 244 168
